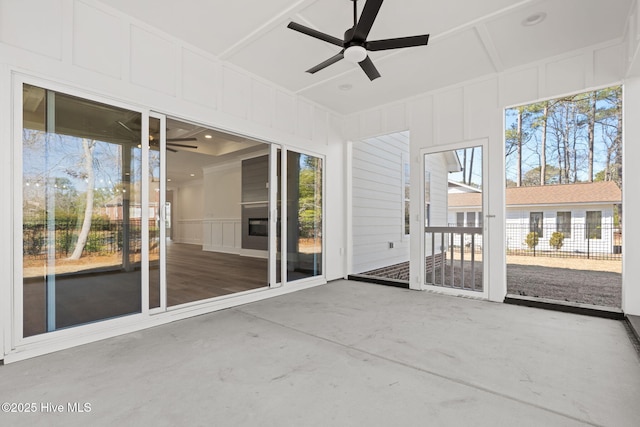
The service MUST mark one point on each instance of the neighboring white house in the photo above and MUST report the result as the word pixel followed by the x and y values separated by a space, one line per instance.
pixel 381 203
pixel 583 213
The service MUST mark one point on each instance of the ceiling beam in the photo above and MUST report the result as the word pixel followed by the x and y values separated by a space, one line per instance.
pixel 259 32
pixel 490 47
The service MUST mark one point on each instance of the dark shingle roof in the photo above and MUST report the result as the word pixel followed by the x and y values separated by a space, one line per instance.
pixel 591 192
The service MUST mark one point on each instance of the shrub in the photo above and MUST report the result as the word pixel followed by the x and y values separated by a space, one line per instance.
pixel 556 240
pixel 532 240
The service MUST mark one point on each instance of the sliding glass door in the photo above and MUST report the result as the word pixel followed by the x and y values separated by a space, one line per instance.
pixel 81 211
pixel 130 212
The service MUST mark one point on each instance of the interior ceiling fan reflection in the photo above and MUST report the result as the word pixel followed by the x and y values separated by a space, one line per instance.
pixel 171 142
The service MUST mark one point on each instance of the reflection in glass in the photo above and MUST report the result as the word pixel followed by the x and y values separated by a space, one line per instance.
pixel 304 216
pixel 154 212
pixel 81 211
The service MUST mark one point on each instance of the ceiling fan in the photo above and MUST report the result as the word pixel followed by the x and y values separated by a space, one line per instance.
pixel 170 142
pixel 355 45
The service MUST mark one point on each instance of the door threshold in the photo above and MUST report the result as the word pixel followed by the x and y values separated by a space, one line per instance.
pixel 565 306
pixel 379 280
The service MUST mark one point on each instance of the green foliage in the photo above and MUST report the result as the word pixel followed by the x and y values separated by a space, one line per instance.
pixel 532 240
pixel 95 244
pixel 556 240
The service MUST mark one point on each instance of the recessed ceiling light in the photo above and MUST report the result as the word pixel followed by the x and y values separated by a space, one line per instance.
pixel 169 179
pixel 193 174
pixel 534 19
pixel 346 86
pixel 208 136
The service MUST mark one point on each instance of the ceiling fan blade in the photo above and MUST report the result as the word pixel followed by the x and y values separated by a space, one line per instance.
pixel 370 69
pixel 337 57
pixel 172 150
pixel 368 15
pixel 315 33
pixel 195 147
pixel 182 139
pixel 397 43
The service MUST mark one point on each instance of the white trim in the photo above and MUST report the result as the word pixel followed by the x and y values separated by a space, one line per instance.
pixel 144 217
pixel 348 239
pixel 272 255
pixel 484 294
pixel 254 253
pixel 405 160
pixel 7 174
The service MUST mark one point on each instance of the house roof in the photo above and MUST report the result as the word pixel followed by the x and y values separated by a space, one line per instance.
pixel 594 192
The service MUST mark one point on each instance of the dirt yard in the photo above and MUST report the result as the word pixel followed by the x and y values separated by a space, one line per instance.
pixel 585 281
pixel 596 282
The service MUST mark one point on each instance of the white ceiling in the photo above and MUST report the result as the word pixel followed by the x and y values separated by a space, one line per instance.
pixel 469 39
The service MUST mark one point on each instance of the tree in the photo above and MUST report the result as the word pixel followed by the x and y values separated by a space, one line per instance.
pixel 532 177
pixel 89 176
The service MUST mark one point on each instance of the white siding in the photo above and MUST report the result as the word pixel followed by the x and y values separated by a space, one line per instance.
pixel 378 198
pixel 518 227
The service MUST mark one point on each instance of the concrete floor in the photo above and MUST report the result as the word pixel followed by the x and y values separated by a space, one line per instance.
pixel 344 354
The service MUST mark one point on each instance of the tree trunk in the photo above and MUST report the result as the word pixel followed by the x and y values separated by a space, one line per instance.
pixel 471 164
pixel 519 150
pixel 87 147
pixel 543 145
pixel 592 128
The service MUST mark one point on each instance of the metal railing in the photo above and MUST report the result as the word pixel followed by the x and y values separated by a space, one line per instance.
pixel 456 257
pixel 578 240
pixel 105 237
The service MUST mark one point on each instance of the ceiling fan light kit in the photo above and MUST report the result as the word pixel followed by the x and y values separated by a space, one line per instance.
pixel 355 46
pixel 355 54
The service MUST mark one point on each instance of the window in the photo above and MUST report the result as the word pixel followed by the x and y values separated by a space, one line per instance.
pixel 471 219
pixel 406 188
pixel 459 219
pixel 563 223
pixel 535 223
pixel 480 219
pixel 593 225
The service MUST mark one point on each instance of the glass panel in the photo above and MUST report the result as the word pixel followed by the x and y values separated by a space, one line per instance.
pixel 154 212
pixel 216 213
pixel 594 225
pixel 536 223
pixel 563 224
pixel 81 211
pixel 304 216
pixel 453 246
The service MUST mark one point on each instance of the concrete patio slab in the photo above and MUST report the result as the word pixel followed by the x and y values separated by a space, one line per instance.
pixel 348 353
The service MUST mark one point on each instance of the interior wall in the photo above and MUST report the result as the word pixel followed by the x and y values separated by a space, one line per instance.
pixel 188 212
pixel 222 192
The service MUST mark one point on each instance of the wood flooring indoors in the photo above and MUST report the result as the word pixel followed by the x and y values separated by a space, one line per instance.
pixel 192 275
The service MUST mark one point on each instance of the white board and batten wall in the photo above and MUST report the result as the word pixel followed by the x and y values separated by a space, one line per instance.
pixel 221 227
